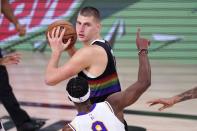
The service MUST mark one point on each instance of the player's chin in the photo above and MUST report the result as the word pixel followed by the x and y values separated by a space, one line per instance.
pixel 82 39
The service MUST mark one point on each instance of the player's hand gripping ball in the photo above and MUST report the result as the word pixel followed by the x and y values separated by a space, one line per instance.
pixel 70 32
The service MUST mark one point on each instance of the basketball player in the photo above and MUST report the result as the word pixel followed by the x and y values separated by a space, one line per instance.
pixel 168 102
pixel 20 118
pixel 94 61
pixel 104 116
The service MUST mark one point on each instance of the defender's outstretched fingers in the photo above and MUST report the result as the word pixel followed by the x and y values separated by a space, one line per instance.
pixel 149 42
pixel 138 33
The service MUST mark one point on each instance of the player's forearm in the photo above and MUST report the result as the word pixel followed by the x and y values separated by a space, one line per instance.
pixel 143 82
pixel 51 69
pixel 190 94
pixel 8 12
pixel 144 73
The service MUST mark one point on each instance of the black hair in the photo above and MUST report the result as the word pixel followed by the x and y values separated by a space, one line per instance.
pixel 90 11
pixel 77 87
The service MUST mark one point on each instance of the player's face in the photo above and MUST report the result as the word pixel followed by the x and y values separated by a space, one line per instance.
pixel 88 29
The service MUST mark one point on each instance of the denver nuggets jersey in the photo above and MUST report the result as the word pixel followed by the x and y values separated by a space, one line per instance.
pixel 108 82
pixel 100 118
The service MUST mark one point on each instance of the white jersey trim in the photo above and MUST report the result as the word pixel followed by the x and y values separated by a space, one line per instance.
pixel 69 124
pixel 88 74
pixel 101 40
pixel 109 106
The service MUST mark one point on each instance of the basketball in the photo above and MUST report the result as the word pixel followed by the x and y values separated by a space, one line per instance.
pixel 70 32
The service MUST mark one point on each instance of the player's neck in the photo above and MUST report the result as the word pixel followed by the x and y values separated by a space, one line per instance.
pixel 85 107
pixel 87 43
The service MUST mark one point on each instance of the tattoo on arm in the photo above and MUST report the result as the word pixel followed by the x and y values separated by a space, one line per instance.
pixel 190 94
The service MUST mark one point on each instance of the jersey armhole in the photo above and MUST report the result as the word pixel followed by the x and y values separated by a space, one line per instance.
pixel 109 107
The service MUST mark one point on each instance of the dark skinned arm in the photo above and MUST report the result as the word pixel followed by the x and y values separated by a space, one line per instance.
pixel 8 13
pixel 120 100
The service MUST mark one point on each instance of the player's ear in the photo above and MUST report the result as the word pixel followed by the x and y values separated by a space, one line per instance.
pixel 99 25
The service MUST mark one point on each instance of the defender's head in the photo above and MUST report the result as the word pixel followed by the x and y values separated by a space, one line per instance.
pixel 78 90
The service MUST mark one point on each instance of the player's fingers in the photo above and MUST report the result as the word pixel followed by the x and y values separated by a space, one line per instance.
pixel 150 101
pixel 62 33
pixel 53 32
pixel 163 107
pixel 49 36
pixel 160 109
pixel 153 100
pixel 17 55
pixel 14 55
pixel 138 33
pixel 14 58
pixel 15 61
pixel 149 42
pixel 67 44
pixel 152 104
pixel 57 32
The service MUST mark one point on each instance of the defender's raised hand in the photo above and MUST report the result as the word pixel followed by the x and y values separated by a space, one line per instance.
pixel 141 43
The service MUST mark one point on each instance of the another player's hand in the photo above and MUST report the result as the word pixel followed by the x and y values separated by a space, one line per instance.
pixel 166 102
pixel 55 40
pixel 21 29
pixel 10 59
pixel 141 43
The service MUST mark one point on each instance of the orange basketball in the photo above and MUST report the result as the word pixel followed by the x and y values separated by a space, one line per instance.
pixel 69 31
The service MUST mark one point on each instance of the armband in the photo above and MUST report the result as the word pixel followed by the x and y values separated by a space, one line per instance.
pixel 143 50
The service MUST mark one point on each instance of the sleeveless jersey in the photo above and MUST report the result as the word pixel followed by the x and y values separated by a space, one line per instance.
pixel 107 83
pixel 100 118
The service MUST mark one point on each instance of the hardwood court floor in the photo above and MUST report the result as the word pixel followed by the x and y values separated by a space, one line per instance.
pixel 51 103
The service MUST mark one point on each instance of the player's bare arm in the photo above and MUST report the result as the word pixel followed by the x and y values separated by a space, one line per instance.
pixel 56 73
pixel 169 102
pixel 8 12
pixel 86 58
pixel 190 94
pixel 125 98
